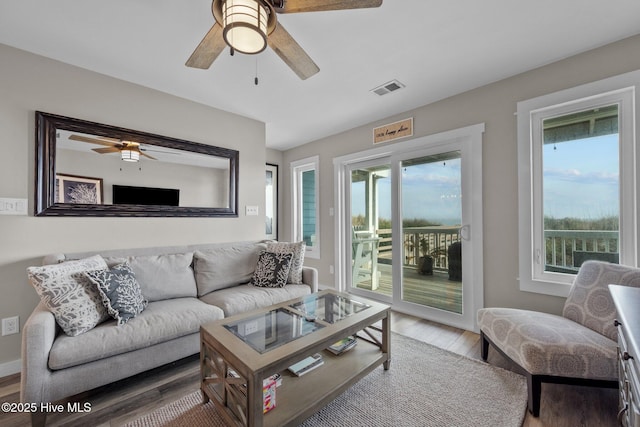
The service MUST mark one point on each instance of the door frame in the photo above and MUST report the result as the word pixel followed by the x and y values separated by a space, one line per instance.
pixel 469 141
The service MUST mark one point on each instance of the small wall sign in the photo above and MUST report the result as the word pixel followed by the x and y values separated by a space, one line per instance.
pixel 393 131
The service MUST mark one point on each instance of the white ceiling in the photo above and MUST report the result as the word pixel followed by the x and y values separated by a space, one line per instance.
pixel 437 49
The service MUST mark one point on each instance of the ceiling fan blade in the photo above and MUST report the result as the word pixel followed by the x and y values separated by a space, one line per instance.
pixel 208 50
pixel 297 6
pixel 94 140
pixel 146 155
pixel 291 53
pixel 106 150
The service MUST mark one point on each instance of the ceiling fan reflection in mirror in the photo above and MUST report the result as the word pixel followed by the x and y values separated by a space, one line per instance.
pixel 248 26
pixel 129 151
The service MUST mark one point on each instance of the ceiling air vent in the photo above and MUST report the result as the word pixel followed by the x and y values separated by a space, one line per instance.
pixel 388 87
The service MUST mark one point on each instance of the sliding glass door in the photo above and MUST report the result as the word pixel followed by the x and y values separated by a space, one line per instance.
pixel 431 213
pixel 407 223
pixel 370 212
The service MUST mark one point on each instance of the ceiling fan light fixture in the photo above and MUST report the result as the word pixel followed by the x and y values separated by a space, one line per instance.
pixel 244 25
pixel 130 155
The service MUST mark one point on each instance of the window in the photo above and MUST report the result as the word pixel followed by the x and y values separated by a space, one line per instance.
pixel 304 175
pixel 577 193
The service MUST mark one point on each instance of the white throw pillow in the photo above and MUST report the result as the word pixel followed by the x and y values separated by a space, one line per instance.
pixel 74 301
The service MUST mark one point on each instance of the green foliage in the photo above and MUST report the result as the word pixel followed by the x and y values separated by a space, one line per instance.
pixel 418 222
pixel 385 224
pixel 357 221
pixel 608 223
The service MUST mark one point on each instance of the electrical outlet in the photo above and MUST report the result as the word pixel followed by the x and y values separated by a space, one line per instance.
pixel 10 325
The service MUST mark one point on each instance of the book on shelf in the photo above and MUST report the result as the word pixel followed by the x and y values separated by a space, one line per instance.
pixel 343 345
pixel 306 365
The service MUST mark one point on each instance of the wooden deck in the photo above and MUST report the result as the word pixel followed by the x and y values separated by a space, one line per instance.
pixel 435 291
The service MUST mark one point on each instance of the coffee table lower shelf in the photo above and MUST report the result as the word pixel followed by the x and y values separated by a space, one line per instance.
pixel 300 397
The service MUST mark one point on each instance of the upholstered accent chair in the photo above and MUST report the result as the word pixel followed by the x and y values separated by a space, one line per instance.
pixel 576 348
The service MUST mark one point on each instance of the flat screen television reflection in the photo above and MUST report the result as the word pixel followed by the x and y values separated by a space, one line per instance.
pixel 129 195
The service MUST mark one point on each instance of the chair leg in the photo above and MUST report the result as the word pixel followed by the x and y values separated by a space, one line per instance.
pixel 484 346
pixel 534 390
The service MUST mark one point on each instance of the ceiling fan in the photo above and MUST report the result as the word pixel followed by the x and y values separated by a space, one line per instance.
pixel 129 151
pixel 248 26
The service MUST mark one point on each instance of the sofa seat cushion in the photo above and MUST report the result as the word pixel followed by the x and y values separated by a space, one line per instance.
pixel 546 344
pixel 248 297
pixel 160 321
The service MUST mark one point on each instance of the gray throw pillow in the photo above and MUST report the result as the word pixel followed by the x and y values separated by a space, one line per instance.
pixel 64 289
pixel 297 249
pixel 272 270
pixel 120 292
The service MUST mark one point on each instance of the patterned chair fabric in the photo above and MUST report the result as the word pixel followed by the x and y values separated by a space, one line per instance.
pixel 578 347
pixel 589 302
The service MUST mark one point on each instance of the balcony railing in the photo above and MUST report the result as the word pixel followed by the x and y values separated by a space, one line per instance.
pixel 564 249
pixel 437 240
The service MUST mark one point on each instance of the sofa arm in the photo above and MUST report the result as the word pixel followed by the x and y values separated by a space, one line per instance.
pixel 38 335
pixel 310 277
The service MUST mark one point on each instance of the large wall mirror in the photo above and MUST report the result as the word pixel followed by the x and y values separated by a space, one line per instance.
pixel 92 169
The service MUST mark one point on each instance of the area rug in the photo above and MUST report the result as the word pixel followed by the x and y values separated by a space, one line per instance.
pixel 425 387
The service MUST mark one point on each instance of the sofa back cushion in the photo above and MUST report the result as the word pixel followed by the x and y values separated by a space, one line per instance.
pixel 589 302
pixel 225 266
pixel 162 276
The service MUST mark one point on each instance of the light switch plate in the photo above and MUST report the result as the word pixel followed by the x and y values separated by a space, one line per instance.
pixel 10 206
pixel 251 210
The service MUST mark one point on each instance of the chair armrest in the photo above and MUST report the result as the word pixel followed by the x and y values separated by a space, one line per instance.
pixel 38 335
pixel 310 277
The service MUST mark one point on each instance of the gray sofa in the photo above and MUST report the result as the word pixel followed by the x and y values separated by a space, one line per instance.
pixel 186 286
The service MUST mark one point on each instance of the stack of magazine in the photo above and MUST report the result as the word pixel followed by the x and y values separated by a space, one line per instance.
pixel 343 345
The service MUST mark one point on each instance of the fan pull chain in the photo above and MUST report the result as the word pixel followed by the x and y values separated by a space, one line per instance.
pixel 256 79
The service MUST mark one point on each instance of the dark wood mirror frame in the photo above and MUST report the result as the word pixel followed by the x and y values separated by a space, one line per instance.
pixel 47 126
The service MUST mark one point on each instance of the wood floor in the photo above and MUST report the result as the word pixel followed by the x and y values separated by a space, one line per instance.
pixel 113 405
pixel 435 290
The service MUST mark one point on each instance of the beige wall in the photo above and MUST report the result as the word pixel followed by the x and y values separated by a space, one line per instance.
pixel 493 105
pixel 29 83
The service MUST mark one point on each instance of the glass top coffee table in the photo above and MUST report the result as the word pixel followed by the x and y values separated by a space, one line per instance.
pixel 239 352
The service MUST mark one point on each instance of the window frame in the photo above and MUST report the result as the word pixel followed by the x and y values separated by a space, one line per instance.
pixel 620 90
pixel 298 167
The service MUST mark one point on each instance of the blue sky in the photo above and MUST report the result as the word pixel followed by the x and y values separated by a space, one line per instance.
pixel 430 191
pixel 581 180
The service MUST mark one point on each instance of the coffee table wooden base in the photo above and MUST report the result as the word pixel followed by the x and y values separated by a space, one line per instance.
pixel 238 397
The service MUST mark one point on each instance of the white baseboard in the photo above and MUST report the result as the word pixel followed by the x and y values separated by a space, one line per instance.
pixel 10 368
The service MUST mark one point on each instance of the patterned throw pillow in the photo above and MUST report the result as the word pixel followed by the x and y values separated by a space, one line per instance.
pixel 295 248
pixel 120 292
pixel 74 301
pixel 272 270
